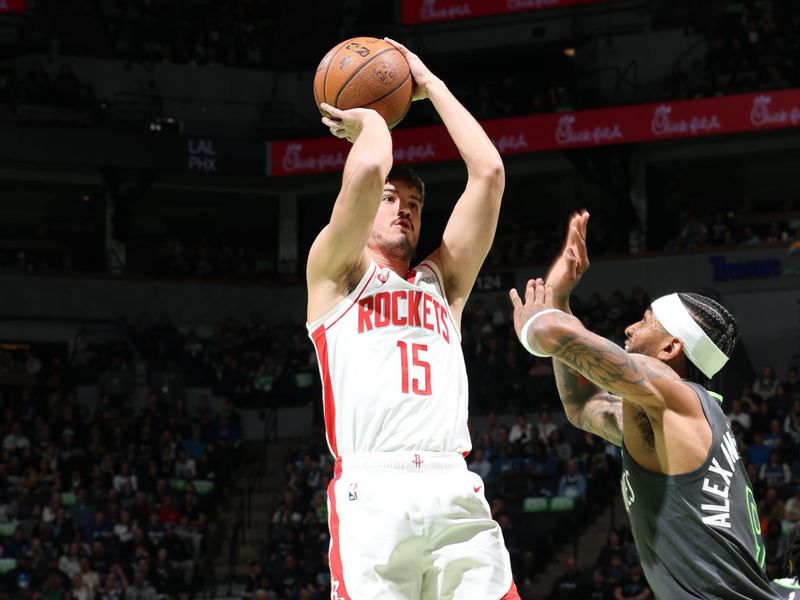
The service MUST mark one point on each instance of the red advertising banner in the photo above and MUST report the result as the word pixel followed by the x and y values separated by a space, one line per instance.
pixel 415 12
pixel 579 129
pixel 7 6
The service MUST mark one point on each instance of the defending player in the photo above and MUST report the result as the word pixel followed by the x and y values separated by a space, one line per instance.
pixel 692 511
pixel 407 519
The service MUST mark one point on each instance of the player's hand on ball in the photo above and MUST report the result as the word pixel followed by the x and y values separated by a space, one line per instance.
pixel 421 74
pixel 347 124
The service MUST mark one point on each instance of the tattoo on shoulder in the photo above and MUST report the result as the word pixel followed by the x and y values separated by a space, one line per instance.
pixel 608 365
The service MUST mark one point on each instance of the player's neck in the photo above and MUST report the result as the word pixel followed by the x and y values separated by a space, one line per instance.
pixel 399 266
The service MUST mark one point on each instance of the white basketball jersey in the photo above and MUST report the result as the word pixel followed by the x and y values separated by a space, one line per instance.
pixel 392 369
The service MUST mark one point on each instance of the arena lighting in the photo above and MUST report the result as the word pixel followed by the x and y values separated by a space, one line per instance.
pixel 569 52
pixel 166 125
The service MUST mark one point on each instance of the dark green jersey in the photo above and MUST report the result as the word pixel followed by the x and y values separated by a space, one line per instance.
pixel 698 534
pixel 788 588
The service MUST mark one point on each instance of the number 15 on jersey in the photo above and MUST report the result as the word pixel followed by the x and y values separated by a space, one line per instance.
pixel 420 378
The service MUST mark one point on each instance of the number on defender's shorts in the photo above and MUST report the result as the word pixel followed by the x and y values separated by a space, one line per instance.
pixel 416 361
pixel 759 552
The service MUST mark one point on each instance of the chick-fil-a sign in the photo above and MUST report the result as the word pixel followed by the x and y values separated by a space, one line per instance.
pixel 8 6
pixel 416 12
pixel 576 129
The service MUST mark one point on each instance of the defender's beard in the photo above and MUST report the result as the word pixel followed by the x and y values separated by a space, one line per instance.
pixel 399 248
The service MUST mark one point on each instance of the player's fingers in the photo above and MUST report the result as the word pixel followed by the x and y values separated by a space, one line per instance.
pixel 582 253
pixel 332 111
pixel 529 291
pixel 328 122
pixel 573 235
pixel 548 294
pixel 515 301
pixel 538 296
pixel 572 260
pixel 584 222
pixel 397 45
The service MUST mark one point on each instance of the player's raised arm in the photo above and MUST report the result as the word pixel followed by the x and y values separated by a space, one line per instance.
pixel 643 380
pixel 471 227
pixel 338 251
pixel 586 405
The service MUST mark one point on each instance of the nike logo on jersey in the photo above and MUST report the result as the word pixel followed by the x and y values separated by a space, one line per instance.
pixel 476 488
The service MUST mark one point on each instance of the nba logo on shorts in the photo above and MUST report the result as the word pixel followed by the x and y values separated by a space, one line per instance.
pixel 352 493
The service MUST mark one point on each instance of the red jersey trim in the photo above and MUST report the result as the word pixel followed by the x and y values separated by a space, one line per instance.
pixel 328 404
pixel 338 588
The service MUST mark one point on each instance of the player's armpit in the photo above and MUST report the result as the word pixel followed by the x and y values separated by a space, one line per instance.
pixel 587 406
pixel 600 415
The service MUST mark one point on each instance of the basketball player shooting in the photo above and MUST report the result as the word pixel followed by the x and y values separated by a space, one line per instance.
pixel 406 517
pixel 692 511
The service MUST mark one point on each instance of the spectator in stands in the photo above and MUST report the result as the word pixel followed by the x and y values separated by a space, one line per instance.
pixel 16 439
pixel 775 472
pixel 633 586
pixel 598 589
pixel 558 447
pixel 792 382
pixel 791 424
pixel 694 234
pixel 572 483
pixel 771 506
pixel 774 437
pixel 185 466
pixel 125 477
pixel 792 507
pixel 79 591
pixel 544 427
pixel 520 431
pixel 479 464
pixel 139 589
pixel 114 585
pixel 766 383
pixel 614 570
pixel 569 585
pixel 737 414
pixel 758 452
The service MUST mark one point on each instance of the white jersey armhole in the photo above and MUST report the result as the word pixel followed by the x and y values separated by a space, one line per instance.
pixel 431 266
pixel 347 301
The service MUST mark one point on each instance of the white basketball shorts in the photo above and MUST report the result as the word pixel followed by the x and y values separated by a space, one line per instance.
pixel 414 526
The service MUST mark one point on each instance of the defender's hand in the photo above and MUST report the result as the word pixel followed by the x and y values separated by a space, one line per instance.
pixel 572 263
pixel 538 297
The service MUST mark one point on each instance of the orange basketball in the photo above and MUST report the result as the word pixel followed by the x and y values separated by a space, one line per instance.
pixel 365 72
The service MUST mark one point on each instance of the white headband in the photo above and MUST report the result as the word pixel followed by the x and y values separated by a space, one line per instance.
pixel 697 346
